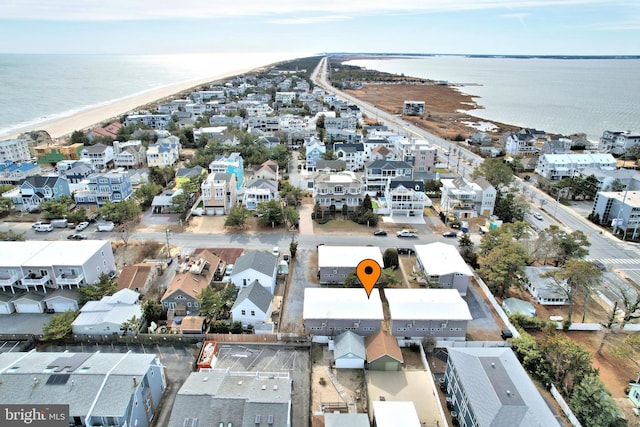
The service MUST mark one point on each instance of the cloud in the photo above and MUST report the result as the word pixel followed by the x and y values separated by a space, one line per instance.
pixel 285 11
pixel 309 20
pixel 631 23
pixel 518 16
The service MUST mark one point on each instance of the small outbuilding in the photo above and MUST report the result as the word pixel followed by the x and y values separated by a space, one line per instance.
pixel 383 352
pixel 6 302
pixel 30 302
pixel 518 306
pixel 348 351
pixel 62 300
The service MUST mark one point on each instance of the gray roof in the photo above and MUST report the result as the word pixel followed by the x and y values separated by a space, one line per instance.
pixel 348 147
pixel 515 305
pixel 349 343
pixel 388 164
pixel 498 390
pixel 545 286
pixel 70 294
pixel 223 396
pixel 29 378
pixel 408 184
pixel 483 183
pixel 261 261
pixel 267 184
pixel 190 172
pixel 331 164
pixel 256 293
pixel 98 148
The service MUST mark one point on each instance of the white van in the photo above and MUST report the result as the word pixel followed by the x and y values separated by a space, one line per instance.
pixel 44 227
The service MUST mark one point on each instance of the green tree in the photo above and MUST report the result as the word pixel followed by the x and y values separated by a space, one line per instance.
pixel 213 303
pixel 351 280
pixel 6 206
pixel 387 278
pixel 390 258
pixel 161 175
pixel 575 277
pixel 153 312
pixel 94 292
pixel 145 193
pixel 281 155
pixel 12 236
pixel 271 213
pixel 121 212
pixel 237 217
pixel 630 307
pixel 131 324
pixel 179 204
pixel 77 215
pixel 291 215
pixel 329 155
pixel 56 209
pixel 511 207
pixel 519 229
pixel 78 137
pixel 531 356
pixel 236 327
pixel 290 193
pixel 293 248
pixel 568 361
pixel 564 246
pixel 617 186
pixel 502 267
pixel 432 187
pixel 59 326
pixel 592 403
pixel 496 172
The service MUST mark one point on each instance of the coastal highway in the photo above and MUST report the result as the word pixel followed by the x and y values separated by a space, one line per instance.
pixel 619 256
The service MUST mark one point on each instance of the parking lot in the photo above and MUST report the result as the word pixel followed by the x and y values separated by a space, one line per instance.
pixel 262 358
pixel 179 361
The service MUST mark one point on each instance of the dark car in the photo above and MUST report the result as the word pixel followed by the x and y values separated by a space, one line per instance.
pixel 599 264
pixel 77 236
pixel 506 334
pixel 406 251
pixel 449 234
pixel 379 233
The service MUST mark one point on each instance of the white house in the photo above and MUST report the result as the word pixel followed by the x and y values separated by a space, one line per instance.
pixel 260 191
pixel 335 262
pixel 544 289
pixel 406 198
pixel 554 167
pixel 50 265
pixel 443 265
pixel 419 313
pixel 15 150
pixel 260 266
pixel 253 305
pixel 328 312
pixel 106 317
pixel 99 155
pixel 467 199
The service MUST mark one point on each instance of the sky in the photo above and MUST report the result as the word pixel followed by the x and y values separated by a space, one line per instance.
pixel 500 27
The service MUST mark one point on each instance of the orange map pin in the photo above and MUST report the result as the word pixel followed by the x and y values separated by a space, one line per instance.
pixel 368 271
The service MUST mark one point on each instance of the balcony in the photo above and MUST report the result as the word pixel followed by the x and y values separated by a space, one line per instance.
pixel 35 280
pixel 8 279
pixel 69 279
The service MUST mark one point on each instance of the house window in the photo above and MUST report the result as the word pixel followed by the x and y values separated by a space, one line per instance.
pixel 253 313
pixel 243 312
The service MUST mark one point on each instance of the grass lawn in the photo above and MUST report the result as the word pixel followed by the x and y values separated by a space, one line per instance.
pixel 442 170
pixel 375 204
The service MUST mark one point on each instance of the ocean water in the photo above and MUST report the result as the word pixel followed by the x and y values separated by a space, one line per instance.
pixel 555 95
pixel 40 88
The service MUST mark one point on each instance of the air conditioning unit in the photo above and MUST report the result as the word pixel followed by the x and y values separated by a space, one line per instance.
pixel 356 324
pixel 409 325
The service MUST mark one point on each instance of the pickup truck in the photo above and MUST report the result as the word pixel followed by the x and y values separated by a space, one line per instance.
pixel 106 226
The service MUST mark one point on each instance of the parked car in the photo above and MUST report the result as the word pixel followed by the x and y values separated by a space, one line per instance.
pixel 106 226
pixel 77 236
pixel 59 223
pixel 112 274
pixel 379 233
pixel 537 216
pixel 406 233
pixel 44 227
pixel 36 224
pixel 227 273
pixel 449 234
pixel 275 251
pixel 82 226
pixel 286 257
pixel 405 251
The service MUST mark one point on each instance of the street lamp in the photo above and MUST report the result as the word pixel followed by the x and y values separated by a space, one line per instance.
pixel 560 191
pixel 166 232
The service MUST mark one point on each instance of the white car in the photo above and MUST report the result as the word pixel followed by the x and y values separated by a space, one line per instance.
pixel 275 251
pixel 82 226
pixel 537 216
pixel 406 233
pixel 227 273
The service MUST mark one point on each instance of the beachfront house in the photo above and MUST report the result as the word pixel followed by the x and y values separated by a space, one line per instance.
pixel 113 186
pixel 618 142
pixel 130 154
pixel 15 150
pixel 466 199
pixel 154 121
pixel 218 193
pixel 259 191
pixel 555 167
pixel 413 108
pixel 339 190
pixel 165 152
pixel 379 173
pixel 100 155
pixel 37 189
pixel 443 266
pixel 14 173
pixel 232 164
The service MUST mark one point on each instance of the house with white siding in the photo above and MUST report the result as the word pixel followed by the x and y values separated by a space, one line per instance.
pixel 555 167
pixel 443 266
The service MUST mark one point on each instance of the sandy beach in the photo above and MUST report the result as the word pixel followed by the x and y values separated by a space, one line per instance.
pixel 93 117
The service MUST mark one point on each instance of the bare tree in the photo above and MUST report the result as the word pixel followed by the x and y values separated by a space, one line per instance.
pixel 631 308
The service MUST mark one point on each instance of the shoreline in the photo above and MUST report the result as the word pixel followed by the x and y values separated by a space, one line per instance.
pixel 61 127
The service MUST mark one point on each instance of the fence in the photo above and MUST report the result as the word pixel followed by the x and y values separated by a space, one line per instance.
pixel 497 307
pixel 471 344
pixel 565 408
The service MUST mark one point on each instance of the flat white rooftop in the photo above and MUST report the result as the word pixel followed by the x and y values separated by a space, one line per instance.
pixel 427 304
pixel 440 258
pixel 341 303
pixel 347 256
pixel 43 253
pixel 392 414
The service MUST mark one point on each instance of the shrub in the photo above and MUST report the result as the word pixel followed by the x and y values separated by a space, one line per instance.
pixel 530 323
